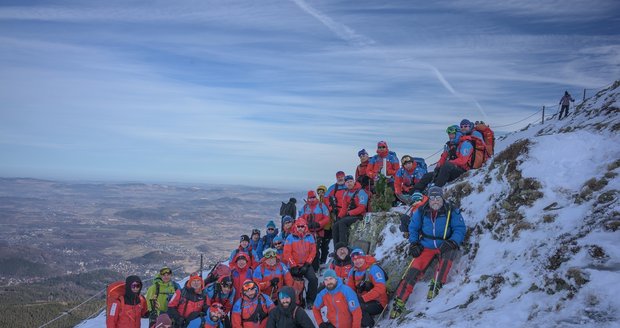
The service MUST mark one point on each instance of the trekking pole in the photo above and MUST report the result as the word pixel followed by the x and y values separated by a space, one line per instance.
pixel 201 266
pixel 431 292
pixel 401 278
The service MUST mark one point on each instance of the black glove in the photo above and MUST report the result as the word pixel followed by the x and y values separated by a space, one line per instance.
pixel 274 282
pixel 448 245
pixel 364 286
pixel 304 269
pixel 313 225
pixel 295 271
pixel 326 325
pixel 415 249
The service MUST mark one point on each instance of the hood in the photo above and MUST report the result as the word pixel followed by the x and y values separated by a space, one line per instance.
pixel 130 297
pixel 300 222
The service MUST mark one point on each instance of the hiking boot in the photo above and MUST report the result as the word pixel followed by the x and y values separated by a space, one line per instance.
pixel 397 308
pixel 433 289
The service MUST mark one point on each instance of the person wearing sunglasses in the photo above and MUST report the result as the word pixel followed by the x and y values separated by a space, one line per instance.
pixel 354 202
pixel 299 252
pixel 126 311
pixel 278 245
pixel 222 291
pixel 287 314
pixel 287 226
pixel 186 304
pixel 213 318
pixel 252 309
pixel 266 241
pixel 368 280
pixel 436 230
pixel 385 162
pixel 160 292
pixel 317 216
pixel 271 274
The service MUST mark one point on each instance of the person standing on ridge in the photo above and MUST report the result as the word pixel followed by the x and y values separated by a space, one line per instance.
pixel 321 192
pixel 565 102
pixel 317 216
pixel 160 292
pixel 126 311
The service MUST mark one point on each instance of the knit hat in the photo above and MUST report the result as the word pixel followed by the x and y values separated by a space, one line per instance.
pixel 362 152
pixel 340 245
pixel 195 278
pixel 292 200
pixel 241 256
pixel 287 218
pixel 163 320
pixel 311 194
pixel 339 174
pixel 435 191
pixel 417 196
pixel 358 252
pixel 270 224
pixel 256 231
pixel 286 291
pixel 245 238
pixel 467 122
pixel 329 273
pixel 348 177
pixel 321 187
pixel 277 239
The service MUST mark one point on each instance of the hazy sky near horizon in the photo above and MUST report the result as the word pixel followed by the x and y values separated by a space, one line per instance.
pixel 276 92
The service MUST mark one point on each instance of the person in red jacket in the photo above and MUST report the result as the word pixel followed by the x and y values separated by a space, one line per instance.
pixel 343 308
pixel 251 310
pixel 368 281
pixel 385 162
pixel 128 309
pixel 323 246
pixel 353 208
pixel 299 252
pixel 271 274
pixel 361 172
pixel 342 263
pixel 186 304
pixel 241 272
pixel 317 216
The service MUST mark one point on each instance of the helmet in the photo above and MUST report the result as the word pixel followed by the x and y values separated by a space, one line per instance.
pixel 452 129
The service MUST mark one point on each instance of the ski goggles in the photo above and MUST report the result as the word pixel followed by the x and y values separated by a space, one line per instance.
pixel 249 285
pixel 165 271
pixel 256 232
pixel 270 253
pixel 216 308
pixel 136 285
pixel 451 129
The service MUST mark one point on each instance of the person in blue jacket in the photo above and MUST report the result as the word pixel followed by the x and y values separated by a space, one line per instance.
pixel 436 229
pixel 267 240
pixel 211 319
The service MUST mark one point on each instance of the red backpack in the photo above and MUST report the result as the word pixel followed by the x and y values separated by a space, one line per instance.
pixel 114 292
pixel 489 137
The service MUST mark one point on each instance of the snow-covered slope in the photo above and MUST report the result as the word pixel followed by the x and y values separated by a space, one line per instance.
pixel 543 246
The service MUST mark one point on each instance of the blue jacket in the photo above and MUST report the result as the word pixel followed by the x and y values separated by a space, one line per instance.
pixel 421 222
pixel 248 250
pixel 265 242
pixel 198 323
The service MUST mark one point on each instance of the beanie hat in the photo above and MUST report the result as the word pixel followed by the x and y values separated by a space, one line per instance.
pixel 292 200
pixel 435 191
pixel 321 187
pixel 163 320
pixel 197 278
pixel 287 218
pixel 277 239
pixel 256 231
pixel 311 194
pixel 241 256
pixel 362 152
pixel 245 238
pixel 358 252
pixel 466 122
pixel 286 291
pixel 339 174
pixel 329 273
pixel 270 224
pixel 348 177
pixel 340 245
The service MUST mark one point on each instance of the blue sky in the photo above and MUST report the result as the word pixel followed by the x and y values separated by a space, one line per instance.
pixel 277 93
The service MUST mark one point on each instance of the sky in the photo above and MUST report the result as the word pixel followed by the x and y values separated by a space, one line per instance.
pixel 278 93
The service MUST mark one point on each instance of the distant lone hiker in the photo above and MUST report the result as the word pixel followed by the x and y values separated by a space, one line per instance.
pixel 565 102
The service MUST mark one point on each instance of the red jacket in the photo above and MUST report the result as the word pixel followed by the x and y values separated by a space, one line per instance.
pixel 404 182
pixel 186 301
pixel 360 201
pixel 343 308
pixel 375 164
pixel 245 313
pixel 362 169
pixel 315 211
pixel 342 268
pixel 335 191
pixel 372 274
pixel 123 315
pixel 264 273
pixel 464 150
pixel 299 248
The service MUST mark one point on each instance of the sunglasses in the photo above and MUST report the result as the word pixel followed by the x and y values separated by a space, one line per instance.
pixel 465 126
pixel 277 244
pixel 271 229
pixel 249 286
pixel 218 306
pixel 381 147
pixel 435 198
pixel 226 284
pixel 311 197
pixel 136 285
pixel 301 227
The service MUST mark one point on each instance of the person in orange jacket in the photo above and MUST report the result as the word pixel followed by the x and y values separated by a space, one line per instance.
pixel 342 263
pixel 241 271
pixel 343 307
pixel 299 252
pixel 317 216
pixel 353 208
pixel 252 309
pixel 271 274
pixel 368 281
pixel 385 161
pixel 128 309
pixel 186 304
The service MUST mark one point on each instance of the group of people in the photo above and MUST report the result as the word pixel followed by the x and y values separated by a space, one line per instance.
pixel 264 282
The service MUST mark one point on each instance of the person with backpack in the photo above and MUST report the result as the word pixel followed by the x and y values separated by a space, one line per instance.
pixel 436 230
pixel 244 247
pixel 342 263
pixel 368 280
pixel 213 318
pixel 287 226
pixel 187 303
pixel 128 308
pixel 267 240
pixel 406 177
pixel 361 172
pixel 289 208
pixel 343 308
pixel 452 169
pixel 278 245
pixel 317 216
pixel 252 309
pixel 271 274
pixel 241 271
pixel 323 246
pixel 353 208
pixel 334 199
pixel 448 154
pixel 565 103
pixel 287 314
pixel 160 293
pixel 299 252
pixel 384 162
pixel 222 292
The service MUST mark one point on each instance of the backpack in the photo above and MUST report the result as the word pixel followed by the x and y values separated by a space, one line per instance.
pixel 288 209
pixel 489 137
pixel 368 284
pixel 479 154
pixel 420 163
pixel 115 291
pixel 218 270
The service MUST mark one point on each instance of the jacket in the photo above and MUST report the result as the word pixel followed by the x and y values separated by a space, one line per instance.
pixel 315 212
pixel 342 267
pixel 264 273
pixel 247 313
pixel 214 294
pixel 299 248
pixel 355 206
pixel 369 282
pixel 375 164
pixel 343 308
pixel 464 150
pixel 292 317
pixel 432 224
pixel 186 304
pixel 127 310
pixel 405 179
pixel 265 242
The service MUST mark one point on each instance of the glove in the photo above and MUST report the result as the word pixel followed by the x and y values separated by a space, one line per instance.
pixel 415 249
pixel 448 245
pixel 304 269
pixel 274 282
pixel 314 225
pixel 364 286
pixel 326 325
pixel 295 271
